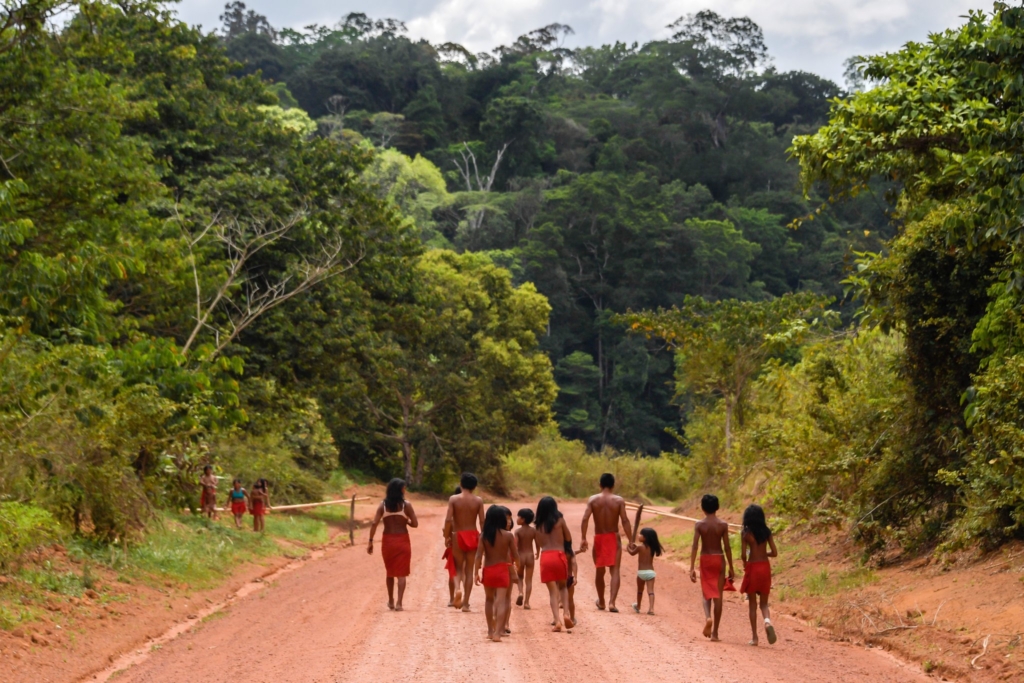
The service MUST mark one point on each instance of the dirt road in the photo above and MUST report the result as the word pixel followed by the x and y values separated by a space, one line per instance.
pixel 328 621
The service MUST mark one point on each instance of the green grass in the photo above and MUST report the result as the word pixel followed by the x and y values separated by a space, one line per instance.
pixel 301 528
pixel 48 579
pixel 825 583
pixel 327 513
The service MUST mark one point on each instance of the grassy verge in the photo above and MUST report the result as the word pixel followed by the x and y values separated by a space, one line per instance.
pixel 183 549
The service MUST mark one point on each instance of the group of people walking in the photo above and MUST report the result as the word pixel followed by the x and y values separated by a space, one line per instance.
pixel 239 501
pixel 494 549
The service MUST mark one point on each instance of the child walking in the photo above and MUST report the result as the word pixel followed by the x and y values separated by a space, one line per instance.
pixel 238 501
pixel 526 538
pixel 552 535
pixel 649 548
pixel 756 545
pixel 711 535
pixel 208 501
pixel 260 499
pixel 491 568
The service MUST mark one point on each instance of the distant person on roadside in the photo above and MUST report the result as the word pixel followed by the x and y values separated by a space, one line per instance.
pixel 712 535
pixel 608 510
pixel 259 498
pixel 526 541
pixel 449 564
pixel 397 515
pixel 649 548
pixel 552 535
pixel 465 513
pixel 238 501
pixel 491 568
pixel 208 497
pixel 756 545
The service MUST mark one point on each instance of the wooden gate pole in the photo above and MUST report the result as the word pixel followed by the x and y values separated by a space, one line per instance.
pixel 352 521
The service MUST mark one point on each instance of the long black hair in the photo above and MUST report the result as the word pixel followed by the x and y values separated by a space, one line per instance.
pixel 651 540
pixel 754 523
pixel 495 521
pixel 547 514
pixel 394 499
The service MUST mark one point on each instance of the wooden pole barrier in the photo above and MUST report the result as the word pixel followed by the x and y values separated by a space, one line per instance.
pixel 301 506
pixel 352 522
pixel 672 515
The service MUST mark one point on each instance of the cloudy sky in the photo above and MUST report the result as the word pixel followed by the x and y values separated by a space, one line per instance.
pixel 809 35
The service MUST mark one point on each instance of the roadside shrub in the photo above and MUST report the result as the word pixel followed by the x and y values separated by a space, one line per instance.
pixel 22 528
pixel 270 456
pixel 549 464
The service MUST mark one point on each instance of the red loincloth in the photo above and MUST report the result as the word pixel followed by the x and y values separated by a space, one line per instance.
pixel 554 566
pixel 397 553
pixel 710 570
pixel 449 562
pixel 238 507
pixel 606 548
pixel 757 578
pixel 468 540
pixel 207 498
pixel 257 508
pixel 496 575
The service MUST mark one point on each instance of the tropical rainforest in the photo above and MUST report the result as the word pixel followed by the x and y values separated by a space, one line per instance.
pixel 286 253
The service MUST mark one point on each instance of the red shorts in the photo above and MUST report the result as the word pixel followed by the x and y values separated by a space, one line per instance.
pixel 496 576
pixel 449 562
pixel 553 566
pixel 257 508
pixel 397 553
pixel 757 578
pixel 606 549
pixel 238 507
pixel 711 567
pixel 207 498
pixel 468 540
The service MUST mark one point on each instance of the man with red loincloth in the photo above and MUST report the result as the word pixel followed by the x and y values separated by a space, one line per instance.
pixel 712 534
pixel 461 533
pixel 608 510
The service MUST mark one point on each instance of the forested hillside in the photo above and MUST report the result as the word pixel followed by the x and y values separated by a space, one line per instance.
pixel 614 177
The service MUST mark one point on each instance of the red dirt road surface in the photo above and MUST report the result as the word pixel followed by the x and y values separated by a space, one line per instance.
pixel 328 621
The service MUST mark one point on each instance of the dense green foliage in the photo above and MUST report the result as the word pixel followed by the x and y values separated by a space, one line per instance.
pixel 192 275
pixel 614 177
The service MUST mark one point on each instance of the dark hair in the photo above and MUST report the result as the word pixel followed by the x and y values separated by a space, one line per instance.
pixel 458 490
pixel 651 540
pixel 469 481
pixel 236 481
pixel 547 514
pixel 527 515
pixel 393 498
pixel 709 503
pixel 754 523
pixel 509 522
pixel 607 481
pixel 207 468
pixel 495 520
pixel 261 484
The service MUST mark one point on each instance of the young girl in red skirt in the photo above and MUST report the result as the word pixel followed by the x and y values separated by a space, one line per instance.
pixel 757 545
pixel 397 515
pixel 238 501
pixel 491 567
pixel 260 499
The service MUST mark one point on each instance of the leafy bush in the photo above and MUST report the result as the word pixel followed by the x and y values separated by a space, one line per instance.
pixel 269 456
pixel 551 465
pixel 22 528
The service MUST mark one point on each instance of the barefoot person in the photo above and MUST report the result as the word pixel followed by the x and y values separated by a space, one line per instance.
pixel 208 498
pixel 513 572
pixel 260 499
pixel 756 545
pixel 491 568
pixel 649 548
pixel 465 512
pixel 238 501
pixel 608 510
pixel 526 537
pixel 552 535
pixel 397 515
pixel 449 564
pixel 712 534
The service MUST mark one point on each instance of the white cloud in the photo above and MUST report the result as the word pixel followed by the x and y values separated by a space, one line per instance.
pixel 809 35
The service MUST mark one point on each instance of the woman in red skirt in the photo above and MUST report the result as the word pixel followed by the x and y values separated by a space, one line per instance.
pixel 397 515
pixel 260 499
pixel 757 545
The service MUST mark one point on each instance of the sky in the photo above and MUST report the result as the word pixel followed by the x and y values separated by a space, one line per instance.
pixel 805 35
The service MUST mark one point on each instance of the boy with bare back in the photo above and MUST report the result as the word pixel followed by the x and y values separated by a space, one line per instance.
pixel 526 540
pixel 608 510
pixel 461 535
pixel 491 568
pixel 712 534
pixel 552 535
